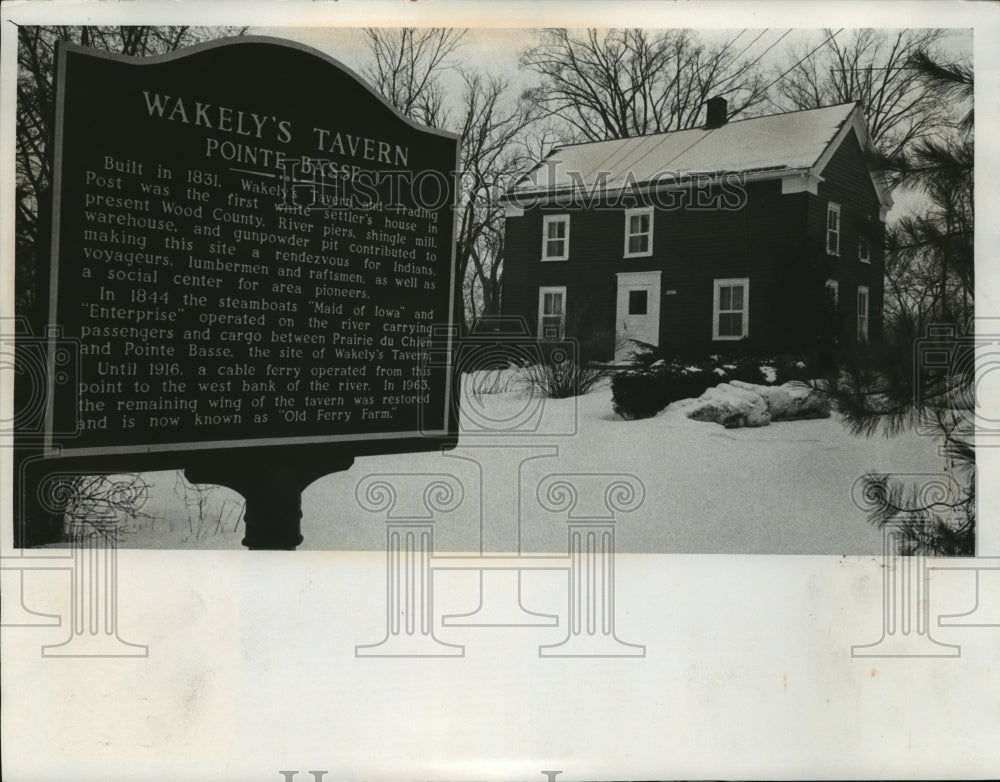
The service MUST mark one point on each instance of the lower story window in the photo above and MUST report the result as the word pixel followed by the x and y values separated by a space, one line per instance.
pixel 832 293
pixel 862 313
pixel 552 312
pixel 731 308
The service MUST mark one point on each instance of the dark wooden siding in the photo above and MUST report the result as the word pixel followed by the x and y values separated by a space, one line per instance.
pixel 691 247
pixel 775 240
pixel 847 182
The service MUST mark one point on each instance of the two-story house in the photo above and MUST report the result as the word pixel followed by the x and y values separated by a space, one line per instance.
pixel 763 235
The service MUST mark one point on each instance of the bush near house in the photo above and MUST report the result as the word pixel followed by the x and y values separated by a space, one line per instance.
pixel 559 381
pixel 640 393
pixel 788 368
pixel 646 390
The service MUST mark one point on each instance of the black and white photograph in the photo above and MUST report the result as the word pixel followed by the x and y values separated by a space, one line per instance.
pixel 464 391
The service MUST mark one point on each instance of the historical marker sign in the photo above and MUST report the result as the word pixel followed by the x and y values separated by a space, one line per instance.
pixel 251 247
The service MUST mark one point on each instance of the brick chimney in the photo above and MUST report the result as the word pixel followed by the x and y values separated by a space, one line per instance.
pixel 715 112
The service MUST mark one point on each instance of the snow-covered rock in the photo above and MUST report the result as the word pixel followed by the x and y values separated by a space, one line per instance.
pixel 791 400
pixel 804 404
pixel 737 404
pixel 777 398
pixel 731 406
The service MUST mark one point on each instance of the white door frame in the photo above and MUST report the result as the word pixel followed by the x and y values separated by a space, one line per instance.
pixel 627 281
pixel 542 290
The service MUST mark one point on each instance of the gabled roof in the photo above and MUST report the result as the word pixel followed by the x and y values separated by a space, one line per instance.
pixel 797 143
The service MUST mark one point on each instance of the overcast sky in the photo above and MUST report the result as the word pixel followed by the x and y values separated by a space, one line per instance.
pixel 496 50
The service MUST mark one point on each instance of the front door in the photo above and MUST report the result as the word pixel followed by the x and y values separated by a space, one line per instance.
pixel 552 312
pixel 638 312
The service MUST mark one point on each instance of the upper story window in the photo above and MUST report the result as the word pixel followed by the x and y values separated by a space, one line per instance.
pixel 833 229
pixel 862 313
pixel 638 232
pixel 555 238
pixel 864 250
pixel 731 308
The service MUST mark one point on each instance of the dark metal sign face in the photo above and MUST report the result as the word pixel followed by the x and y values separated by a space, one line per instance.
pixel 250 247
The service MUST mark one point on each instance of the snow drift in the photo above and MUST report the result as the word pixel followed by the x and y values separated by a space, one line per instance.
pixel 738 404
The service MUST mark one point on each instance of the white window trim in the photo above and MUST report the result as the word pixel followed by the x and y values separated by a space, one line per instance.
pixel 867 313
pixel 629 214
pixel 832 207
pixel 545 237
pixel 834 285
pixel 864 258
pixel 718 284
pixel 561 289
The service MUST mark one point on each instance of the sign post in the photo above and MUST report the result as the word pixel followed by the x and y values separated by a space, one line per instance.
pixel 273 493
pixel 251 250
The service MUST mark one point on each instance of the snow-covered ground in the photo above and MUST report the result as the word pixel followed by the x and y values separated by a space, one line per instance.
pixel 780 489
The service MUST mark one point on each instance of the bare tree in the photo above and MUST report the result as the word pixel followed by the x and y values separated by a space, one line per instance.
pixel 36 115
pixel 873 68
pixel 493 153
pixel 608 84
pixel 407 64
pixel 408 67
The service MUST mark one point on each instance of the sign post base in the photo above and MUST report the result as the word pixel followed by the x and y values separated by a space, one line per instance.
pixel 273 493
